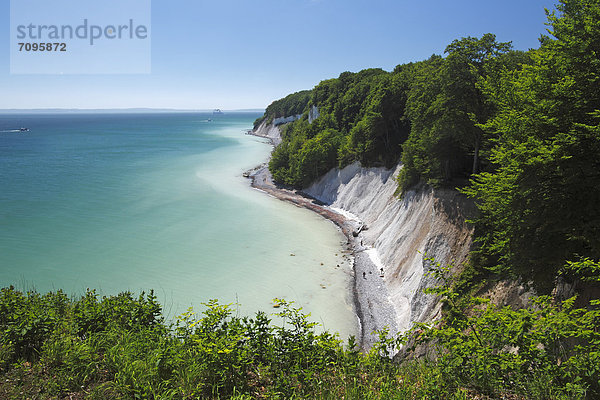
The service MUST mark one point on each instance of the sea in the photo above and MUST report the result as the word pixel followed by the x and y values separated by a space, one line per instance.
pixel 157 201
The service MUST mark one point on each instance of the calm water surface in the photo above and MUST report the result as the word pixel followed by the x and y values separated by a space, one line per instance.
pixel 157 201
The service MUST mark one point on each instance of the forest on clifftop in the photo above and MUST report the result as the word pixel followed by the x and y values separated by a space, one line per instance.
pixel 517 131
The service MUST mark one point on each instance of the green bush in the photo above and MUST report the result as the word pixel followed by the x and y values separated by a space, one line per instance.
pixel 548 350
pixel 118 347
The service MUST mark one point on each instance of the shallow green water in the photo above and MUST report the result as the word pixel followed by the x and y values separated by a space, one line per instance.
pixel 140 201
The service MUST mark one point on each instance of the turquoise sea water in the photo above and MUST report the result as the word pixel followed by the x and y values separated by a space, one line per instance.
pixel 157 201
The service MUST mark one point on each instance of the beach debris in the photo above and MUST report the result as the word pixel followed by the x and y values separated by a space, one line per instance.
pixel 323 286
pixel 359 230
pixel 276 305
pixel 292 255
pixel 322 264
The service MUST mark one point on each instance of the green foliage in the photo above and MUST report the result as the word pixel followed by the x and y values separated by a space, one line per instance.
pixel 585 269
pixel 92 315
pixel 26 321
pixel 445 107
pixel 313 157
pixel 118 347
pixel 519 132
pixel 436 104
pixel 538 205
pixel 361 118
pixel 545 351
pixel 292 104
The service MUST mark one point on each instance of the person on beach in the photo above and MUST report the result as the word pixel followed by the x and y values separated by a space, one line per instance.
pixel 364 275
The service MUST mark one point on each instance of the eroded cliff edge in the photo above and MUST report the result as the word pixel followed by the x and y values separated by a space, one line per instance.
pixel 404 232
pixel 398 235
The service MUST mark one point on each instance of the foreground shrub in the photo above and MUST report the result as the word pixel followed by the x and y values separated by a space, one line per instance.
pixel 549 350
pixel 119 347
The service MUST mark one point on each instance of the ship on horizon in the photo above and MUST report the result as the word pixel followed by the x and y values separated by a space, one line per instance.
pixel 217 111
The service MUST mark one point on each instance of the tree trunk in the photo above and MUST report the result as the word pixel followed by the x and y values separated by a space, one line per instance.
pixel 476 154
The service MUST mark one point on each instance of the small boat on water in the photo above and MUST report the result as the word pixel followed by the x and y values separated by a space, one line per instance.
pixel 23 129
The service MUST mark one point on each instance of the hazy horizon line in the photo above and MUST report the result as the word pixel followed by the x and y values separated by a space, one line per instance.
pixel 127 109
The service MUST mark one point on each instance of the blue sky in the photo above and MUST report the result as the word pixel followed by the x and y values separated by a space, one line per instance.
pixel 234 54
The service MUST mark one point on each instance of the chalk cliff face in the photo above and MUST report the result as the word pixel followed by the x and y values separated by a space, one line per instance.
pixel 313 114
pixel 269 131
pixel 404 232
pixel 285 120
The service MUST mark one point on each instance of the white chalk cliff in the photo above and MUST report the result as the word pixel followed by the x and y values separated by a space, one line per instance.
pixel 399 233
pixel 286 120
pixel 424 223
pixel 269 131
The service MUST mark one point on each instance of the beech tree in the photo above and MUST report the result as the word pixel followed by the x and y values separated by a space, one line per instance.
pixel 539 207
pixel 446 108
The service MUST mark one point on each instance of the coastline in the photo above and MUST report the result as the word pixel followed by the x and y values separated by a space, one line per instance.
pixel 370 296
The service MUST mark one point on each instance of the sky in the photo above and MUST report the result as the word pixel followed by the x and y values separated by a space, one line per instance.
pixel 244 54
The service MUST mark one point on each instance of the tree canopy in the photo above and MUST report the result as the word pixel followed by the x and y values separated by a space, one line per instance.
pixel 539 203
pixel 292 104
pixel 517 131
pixel 361 118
